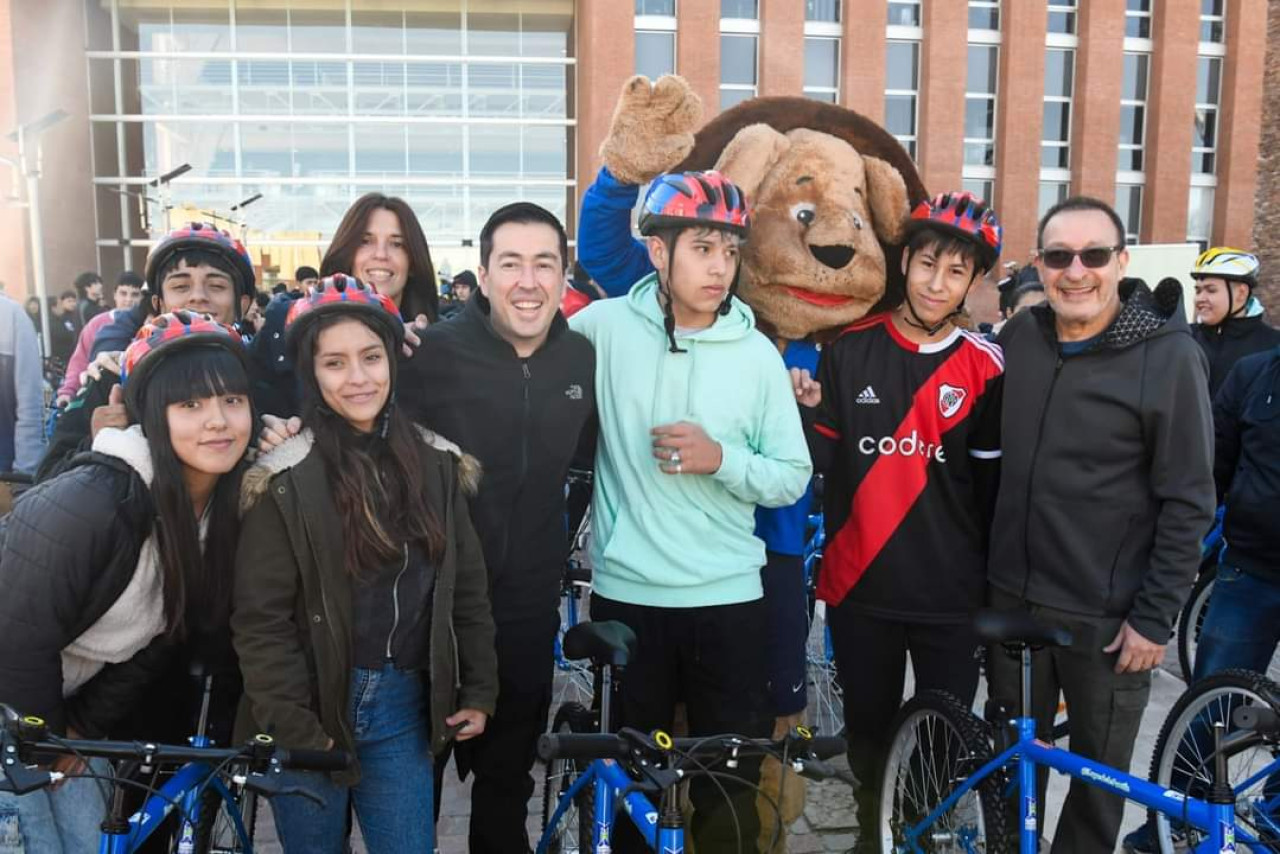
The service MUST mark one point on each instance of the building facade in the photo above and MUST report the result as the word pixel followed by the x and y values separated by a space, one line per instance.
pixel 462 105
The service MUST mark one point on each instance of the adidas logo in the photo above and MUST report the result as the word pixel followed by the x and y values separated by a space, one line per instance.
pixel 868 395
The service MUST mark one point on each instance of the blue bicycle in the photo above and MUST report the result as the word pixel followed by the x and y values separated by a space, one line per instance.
pixel 947 787
pixel 208 783
pixel 593 774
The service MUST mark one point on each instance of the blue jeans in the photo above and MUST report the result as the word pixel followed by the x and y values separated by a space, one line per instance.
pixel 65 821
pixel 1241 627
pixel 393 800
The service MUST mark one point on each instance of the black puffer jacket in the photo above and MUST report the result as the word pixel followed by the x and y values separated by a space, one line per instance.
pixel 1232 340
pixel 70 549
pixel 1106 477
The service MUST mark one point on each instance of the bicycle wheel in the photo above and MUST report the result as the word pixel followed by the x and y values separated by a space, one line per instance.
pixel 572 835
pixel 1184 754
pixel 215 830
pixel 826 696
pixel 937 744
pixel 1191 619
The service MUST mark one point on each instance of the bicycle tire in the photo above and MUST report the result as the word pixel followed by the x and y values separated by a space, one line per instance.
pixel 1192 618
pixel 573 832
pixel 215 832
pixel 956 744
pixel 1179 761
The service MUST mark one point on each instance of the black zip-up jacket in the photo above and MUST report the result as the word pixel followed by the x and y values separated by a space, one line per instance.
pixel 1106 480
pixel 522 418
pixel 1246 420
pixel 1232 340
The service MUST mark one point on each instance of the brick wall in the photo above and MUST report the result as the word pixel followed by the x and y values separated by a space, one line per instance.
pixel 1266 226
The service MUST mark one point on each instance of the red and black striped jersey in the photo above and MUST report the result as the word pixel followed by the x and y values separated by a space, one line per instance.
pixel 909 438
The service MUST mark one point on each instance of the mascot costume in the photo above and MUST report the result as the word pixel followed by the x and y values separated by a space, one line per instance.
pixel 829 192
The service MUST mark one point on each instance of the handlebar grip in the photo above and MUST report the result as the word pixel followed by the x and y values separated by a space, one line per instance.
pixel 827 746
pixel 315 760
pixel 586 746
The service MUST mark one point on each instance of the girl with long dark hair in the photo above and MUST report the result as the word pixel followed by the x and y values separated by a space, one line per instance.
pixel 361 613
pixel 115 566
pixel 381 242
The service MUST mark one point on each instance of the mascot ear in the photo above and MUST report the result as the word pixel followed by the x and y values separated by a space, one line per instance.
pixel 751 155
pixel 887 198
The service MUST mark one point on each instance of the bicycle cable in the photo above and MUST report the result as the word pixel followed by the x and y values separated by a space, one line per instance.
pixel 62 742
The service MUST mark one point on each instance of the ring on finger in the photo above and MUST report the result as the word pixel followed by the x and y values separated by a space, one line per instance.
pixel 675 457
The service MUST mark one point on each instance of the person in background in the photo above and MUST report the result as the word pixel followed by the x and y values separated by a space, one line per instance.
pixel 128 290
pixel 253 318
pixel 88 286
pixel 63 328
pixel 1231 323
pixel 73 379
pixel 463 286
pixel 381 242
pixel 32 308
pixel 304 277
pixel 21 391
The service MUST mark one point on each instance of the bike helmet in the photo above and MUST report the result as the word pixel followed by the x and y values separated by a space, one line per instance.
pixel 1223 262
pixel 685 199
pixel 338 294
pixel 165 335
pixel 966 216
pixel 202 235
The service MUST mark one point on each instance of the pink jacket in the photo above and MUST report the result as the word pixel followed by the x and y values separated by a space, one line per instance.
pixel 80 356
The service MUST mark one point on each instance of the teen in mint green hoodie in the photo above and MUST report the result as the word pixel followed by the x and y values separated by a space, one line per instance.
pixel 698 426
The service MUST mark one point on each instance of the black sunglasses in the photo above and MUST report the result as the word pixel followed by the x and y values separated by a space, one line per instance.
pixel 1093 257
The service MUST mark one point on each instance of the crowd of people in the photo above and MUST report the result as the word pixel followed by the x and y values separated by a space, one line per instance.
pixel 344 501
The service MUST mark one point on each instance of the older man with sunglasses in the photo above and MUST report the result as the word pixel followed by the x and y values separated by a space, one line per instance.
pixel 1106 488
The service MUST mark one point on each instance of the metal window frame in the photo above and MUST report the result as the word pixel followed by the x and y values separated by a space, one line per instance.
pixel 826 90
pixel 908 141
pixel 979 169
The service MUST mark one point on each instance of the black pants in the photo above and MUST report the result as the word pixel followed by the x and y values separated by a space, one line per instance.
pixel 1104 708
pixel 503 756
pixel 871 660
pixel 714 659
pixel 784 593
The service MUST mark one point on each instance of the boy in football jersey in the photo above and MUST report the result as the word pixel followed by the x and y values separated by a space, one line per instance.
pixel 904 419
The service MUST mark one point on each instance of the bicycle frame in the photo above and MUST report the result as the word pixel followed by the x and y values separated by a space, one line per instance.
pixel 185 788
pixel 1217 820
pixel 611 785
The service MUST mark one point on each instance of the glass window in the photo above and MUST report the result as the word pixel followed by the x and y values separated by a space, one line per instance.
pixel 494 90
pixel 1200 215
pixel 318 30
pixel 495 151
pixel 433 89
pixel 376 30
pixel 319 88
pixel 984 15
pixel 1212 21
pixel 1133 112
pixel 1059 85
pixel 167 144
pixel 1134 85
pixel 738 60
pixel 904 14
pixel 732 97
pixel 433 33
pixel 1051 192
pixel 661 8
pixel 1062 17
pixel 379 88
pixel 980 106
pixel 493 34
pixel 1204 140
pixel 1137 19
pixel 542 91
pixel 544 151
pixel 380 150
pixel 435 150
pixel 748 9
pixel 827 11
pixel 902 71
pixel 981 188
pixel 264 87
pixel 655 53
pixel 1059 72
pixel 1129 206
pixel 821 68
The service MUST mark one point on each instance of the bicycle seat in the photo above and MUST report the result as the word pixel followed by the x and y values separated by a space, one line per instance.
pixel 1018 628
pixel 609 643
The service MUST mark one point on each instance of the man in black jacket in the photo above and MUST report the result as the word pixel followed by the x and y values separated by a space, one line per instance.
pixel 509 382
pixel 1106 489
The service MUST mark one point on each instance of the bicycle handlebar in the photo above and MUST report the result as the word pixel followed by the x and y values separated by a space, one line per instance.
pixel 627 743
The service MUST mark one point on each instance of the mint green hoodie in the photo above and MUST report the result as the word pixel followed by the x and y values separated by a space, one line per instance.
pixel 687 540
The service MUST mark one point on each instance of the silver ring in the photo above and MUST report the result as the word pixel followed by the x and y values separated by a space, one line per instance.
pixel 675 457
pixel 678 468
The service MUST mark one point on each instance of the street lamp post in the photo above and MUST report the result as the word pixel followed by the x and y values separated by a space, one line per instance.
pixel 28 137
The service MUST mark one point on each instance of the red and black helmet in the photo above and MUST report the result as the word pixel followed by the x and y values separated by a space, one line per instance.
pixel 165 335
pixel 685 199
pixel 966 216
pixel 210 238
pixel 342 294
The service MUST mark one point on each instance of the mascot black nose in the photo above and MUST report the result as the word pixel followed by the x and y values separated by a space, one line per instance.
pixel 834 257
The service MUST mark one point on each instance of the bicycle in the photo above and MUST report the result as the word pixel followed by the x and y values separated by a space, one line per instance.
pixel 948 771
pixel 827 703
pixel 575 586
pixel 593 773
pixel 196 790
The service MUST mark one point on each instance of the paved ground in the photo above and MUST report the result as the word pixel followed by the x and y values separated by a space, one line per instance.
pixel 828 823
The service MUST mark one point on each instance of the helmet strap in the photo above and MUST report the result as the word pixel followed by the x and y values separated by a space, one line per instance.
pixel 665 299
